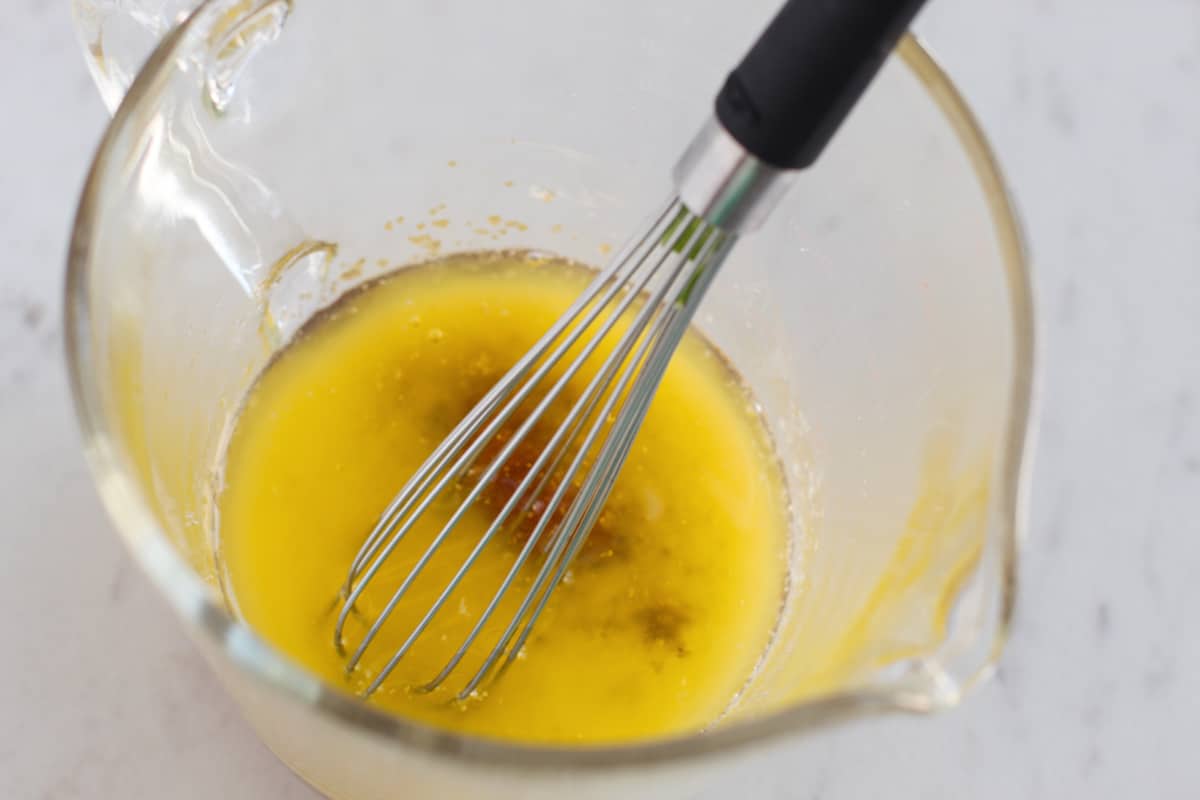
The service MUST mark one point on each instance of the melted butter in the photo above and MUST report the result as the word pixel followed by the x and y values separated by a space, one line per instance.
pixel 671 602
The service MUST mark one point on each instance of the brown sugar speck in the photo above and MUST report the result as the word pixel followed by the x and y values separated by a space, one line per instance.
pixel 495 219
pixel 509 184
pixel 440 223
pixel 556 228
pixel 387 226
pixel 424 240
pixel 663 622
pixel 605 249
pixel 452 163
pixel 521 226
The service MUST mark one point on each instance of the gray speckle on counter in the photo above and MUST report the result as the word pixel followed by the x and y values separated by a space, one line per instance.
pixel 1059 109
pixel 1091 105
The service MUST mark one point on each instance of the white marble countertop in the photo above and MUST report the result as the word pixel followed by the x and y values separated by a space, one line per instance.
pixel 1093 108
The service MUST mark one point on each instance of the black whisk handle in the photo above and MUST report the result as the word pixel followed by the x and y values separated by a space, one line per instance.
pixel 791 92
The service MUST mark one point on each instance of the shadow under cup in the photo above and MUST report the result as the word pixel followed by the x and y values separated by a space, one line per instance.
pixel 271 156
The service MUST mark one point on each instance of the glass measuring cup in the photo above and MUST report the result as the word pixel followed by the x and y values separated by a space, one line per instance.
pixel 258 166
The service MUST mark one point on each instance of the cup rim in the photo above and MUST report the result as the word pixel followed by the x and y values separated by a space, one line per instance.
pixel 207 617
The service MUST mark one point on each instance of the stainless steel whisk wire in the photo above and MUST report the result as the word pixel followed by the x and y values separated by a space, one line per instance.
pixel 687 242
pixel 774 116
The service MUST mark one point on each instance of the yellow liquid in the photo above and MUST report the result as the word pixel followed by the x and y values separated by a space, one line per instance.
pixel 663 615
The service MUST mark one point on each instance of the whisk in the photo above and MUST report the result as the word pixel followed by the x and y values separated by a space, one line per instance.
pixel 774 115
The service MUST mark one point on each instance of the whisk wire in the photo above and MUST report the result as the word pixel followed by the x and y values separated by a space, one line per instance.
pixel 589 501
pixel 477 444
pixel 418 487
pixel 598 388
pixel 685 236
pixel 728 179
pixel 578 413
pixel 466 428
pixel 621 438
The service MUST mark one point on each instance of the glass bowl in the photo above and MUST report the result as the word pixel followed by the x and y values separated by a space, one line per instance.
pixel 269 156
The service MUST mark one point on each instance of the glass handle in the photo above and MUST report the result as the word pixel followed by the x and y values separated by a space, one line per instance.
pixel 118 35
pixel 237 212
